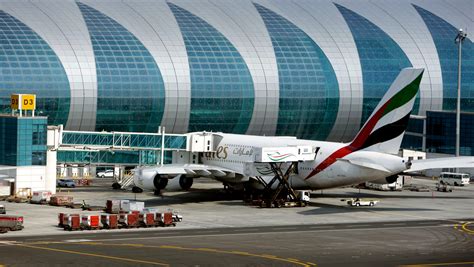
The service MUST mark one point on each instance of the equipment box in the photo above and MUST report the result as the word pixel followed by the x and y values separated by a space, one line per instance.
pixel 60 200
pixel 40 197
pixel 128 220
pixel 165 219
pixel 113 206
pixel 10 223
pixel 90 222
pixel 62 218
pixel 129 206
pixel 147 219
pixel 109 221
pixel 72 222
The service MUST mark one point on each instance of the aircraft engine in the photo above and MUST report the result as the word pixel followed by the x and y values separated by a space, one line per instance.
pixel 177 183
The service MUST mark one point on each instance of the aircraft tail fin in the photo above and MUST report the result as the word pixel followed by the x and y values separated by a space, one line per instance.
pixel 383 131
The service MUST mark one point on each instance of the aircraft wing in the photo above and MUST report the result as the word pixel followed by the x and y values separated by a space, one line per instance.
pixel 439 163
pixel 197 170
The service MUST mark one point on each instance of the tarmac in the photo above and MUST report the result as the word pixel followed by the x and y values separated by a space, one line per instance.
pixel 404 228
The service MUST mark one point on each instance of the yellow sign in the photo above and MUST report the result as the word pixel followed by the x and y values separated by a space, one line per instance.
pixel 14 101
pixel 23 102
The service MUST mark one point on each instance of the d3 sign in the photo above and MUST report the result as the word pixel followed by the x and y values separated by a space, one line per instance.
pixel 23 102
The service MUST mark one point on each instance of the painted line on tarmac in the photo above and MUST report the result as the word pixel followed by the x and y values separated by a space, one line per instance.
pixel 281 232
pixel 233 252
pixel 439 264
pixel 94 255
pixel 466 229
pixel 210 250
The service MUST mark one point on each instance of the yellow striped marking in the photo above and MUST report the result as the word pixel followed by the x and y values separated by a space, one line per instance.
pixel 439 264
pixel 96 255
pixel 467 230
pixel 212 250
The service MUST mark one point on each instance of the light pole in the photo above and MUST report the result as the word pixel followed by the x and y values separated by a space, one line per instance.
pixel 458 40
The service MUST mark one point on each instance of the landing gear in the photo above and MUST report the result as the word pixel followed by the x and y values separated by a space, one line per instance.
pixel 116 186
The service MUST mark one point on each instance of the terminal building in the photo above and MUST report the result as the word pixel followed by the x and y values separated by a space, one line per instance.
pixel 314 69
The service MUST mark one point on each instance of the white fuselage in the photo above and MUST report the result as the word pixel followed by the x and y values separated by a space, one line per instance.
pixel 235 151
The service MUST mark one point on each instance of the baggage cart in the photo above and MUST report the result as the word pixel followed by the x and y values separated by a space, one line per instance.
pixel 128 220
pixel 128 206
pixel 90 222
pixel 41 197
pixel 112 206
pixel 165 219
pixel 61 200
pixel 146 219
pixel 109 221
pixel 62 217
pixel 72 222
pixel 10 223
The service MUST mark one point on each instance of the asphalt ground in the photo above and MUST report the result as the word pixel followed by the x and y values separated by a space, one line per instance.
pixel 405 228
pixel 413 243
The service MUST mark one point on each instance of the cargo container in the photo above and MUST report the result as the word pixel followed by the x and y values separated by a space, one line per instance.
pixel 72 222
pixel 112 206
pixel 90 222
pixel 62 216
pixel 165 219
pixel 41 197
pixel 128 206
pixel 61 200
pixel 10 223
pixel 147 219
pixel 128 220
pixel 109 221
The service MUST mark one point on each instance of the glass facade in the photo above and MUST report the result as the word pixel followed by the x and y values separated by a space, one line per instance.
pixel 133 140
pixel 29 65
pixel 115 157
pixel 443 35
pixel 413 138
pixel 441 132
pixel 23 141
pixel 309 92
pixel 130 85
pixel 222 92
pixel 381 60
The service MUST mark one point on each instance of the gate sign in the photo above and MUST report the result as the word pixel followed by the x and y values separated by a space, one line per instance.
pixel 23 102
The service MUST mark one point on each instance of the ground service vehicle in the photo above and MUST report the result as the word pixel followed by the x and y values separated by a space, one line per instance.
pixel 10 223
pixel 66 183
pixel 443 188
pixel 361 202
pixel 106 174
pixel 456 179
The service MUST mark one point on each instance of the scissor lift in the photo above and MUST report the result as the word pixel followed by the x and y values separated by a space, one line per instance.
pixel 278 191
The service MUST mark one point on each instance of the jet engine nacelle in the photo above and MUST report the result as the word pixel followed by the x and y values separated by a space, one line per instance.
pixel 387 180
pixel 177 183
pixel 151 180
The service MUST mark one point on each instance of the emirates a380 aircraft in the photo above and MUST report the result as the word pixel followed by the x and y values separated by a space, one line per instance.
pixel 371 156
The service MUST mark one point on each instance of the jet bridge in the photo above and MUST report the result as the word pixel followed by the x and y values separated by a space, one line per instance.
pixel 283 162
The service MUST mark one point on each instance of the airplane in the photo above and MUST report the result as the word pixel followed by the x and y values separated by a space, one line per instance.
pixel 371 156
